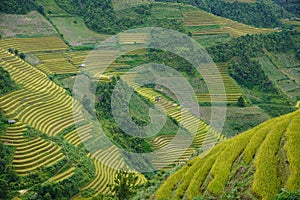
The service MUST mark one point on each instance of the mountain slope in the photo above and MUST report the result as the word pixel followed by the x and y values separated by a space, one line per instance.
pixel 254 164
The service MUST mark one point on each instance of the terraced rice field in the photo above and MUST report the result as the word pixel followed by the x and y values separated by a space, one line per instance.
pixel 74 138
pixel 205 136
pixel 105 174
pixel 285 78
pixel 62 176
pixel 133 38
pixel 96 62
pixel 102 57
pixel 207 22
pixel 40 103
pixel 233 91
pixel 263 148
pixel 30 154
pixel 175 155
pixel 76 57
pixel 33 44
pixel 45 106
pixel 55 63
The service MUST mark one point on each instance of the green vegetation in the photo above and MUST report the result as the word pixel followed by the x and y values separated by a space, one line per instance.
pixel 124 184
pixel 223 164
pixel 292 151
pixel 55 63
pixel 222 172
pixel 17 6
pixel 101 17
pixel 43 155
pixel 260 13
pixel 291 6
pixel 286 195
pixel 8 177
pixel 266 181
pixel 50 8
pixel 34 44
pixel 167 188
pixel 75 31
pixel 124 141
pixel 249 73
pixel 282 70
pixel 32 24
pixel 6 83
pixel 197 179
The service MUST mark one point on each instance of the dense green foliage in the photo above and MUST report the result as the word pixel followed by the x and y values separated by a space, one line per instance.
pixel 3 123
pixel 17 6
pixel 37 183
pixel 124 184
pixel 6 83
pixel 101 17
pixel 288 195
pixel 248 72
pixel 113 131
pixel 292 6
pixel 260 14
pixel 69 187
pixel 8 177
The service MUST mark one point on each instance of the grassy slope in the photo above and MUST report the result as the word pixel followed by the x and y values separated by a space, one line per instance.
pixel 30 25
pixel 75 31
pixel 283 70
pixel 256 163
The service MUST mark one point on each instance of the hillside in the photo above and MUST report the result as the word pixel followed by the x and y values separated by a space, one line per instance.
pixel 58 144
pixel 255 164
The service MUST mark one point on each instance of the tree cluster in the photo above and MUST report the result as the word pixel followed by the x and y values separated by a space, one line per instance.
pixel 6 83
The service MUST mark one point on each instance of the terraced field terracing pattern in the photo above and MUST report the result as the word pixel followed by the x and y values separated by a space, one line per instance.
pixel 203 23
pixel 40 103
pixel 55 63
pixel 30 154
pixel 48 108
pixel 34 44
pixel 205 135
pixel 233 91
pixel 255 158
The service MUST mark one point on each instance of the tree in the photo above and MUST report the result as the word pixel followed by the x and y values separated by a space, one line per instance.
pixel 298 54
pixel 22 56
pixel 241 101
pixel 10 50
pixel 41 10
pixel 47 196
pixel 124 184
pixel 16 52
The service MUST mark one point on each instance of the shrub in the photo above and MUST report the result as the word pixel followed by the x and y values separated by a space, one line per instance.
pixel 287 195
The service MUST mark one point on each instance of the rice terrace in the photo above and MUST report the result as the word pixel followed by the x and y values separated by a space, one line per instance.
pixel 149 99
